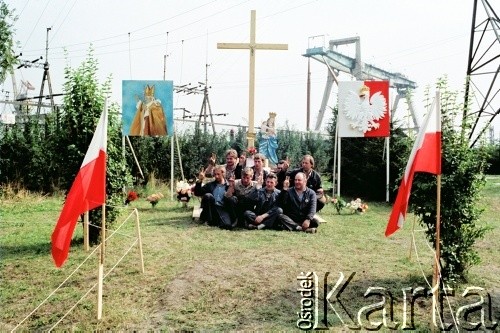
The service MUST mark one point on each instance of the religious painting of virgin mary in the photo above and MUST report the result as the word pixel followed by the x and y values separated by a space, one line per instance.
pixel 147 108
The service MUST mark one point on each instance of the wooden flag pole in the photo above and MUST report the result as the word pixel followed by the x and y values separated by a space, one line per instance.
pixel 412 235
pixel 86 245
pixel 101 263
pixel 437 267
pixel 437 270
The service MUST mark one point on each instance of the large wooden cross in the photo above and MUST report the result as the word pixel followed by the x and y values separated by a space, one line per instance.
pixel 252 46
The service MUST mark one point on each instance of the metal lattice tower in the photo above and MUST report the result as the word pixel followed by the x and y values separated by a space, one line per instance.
pixel 337 62
pixel 46 77
pixel 483 68
pixel 206 109
pixel 206 102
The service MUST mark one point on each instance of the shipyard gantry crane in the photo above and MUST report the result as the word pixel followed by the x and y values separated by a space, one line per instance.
pixel 337 62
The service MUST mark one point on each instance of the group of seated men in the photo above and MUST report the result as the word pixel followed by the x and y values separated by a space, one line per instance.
pixel 254 198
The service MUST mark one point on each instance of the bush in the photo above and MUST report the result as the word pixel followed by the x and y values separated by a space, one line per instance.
pixel 461 182
pixel 493 160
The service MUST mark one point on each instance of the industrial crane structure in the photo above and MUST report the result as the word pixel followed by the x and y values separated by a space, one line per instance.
pixel 337 62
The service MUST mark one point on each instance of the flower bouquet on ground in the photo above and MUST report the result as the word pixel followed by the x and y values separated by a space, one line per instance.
pixel 154 198
pixel 184 191
pixel 339 204
pixel 357 206
pixel 131 196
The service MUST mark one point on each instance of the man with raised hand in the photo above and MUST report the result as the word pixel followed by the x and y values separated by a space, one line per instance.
pixel 299 206
pixel 281 171
pixel 238 194
pixel 216 210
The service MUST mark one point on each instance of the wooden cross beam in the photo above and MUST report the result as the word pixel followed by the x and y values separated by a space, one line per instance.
pixel 252 46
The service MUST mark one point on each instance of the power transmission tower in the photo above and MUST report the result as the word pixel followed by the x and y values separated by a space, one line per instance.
pixel 46 76
pixel 483 68
pixel 206 101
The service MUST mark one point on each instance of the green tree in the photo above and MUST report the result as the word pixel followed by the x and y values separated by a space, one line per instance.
pixel 7 56
pixel 493 159
pixel 461 182
pixel 83 104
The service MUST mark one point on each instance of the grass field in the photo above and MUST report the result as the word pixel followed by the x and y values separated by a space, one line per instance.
pixel 202 278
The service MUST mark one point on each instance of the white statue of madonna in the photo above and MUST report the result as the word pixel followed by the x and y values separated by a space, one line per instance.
pixel 268 143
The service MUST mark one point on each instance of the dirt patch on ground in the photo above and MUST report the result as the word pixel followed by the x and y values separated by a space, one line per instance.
pixel 199 275
pixel 243 291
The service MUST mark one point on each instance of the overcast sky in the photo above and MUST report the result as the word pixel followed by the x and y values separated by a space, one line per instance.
pixel 423 40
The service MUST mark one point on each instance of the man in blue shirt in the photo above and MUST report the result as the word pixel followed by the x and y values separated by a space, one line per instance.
pixel 216 210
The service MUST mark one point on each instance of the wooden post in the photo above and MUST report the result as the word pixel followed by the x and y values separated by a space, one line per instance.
pixel 437 269
pixel 101 263
pixel 141 256
pixel 86 245
pixel 135 158
pixel 252 46
pixel 412 235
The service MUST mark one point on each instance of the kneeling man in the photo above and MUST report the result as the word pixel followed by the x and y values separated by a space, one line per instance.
pixel 216 210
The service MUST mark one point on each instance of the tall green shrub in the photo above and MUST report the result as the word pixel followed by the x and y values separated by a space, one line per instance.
pixel 83 104
pixel 461 183
pixel 7 57
pixel 14 155
pixel 493 159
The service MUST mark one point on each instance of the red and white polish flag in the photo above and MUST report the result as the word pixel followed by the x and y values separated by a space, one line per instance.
pixel 87 192
pixel 425 157
pixel 363 109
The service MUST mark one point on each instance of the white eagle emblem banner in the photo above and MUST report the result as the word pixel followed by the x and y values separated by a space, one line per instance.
pixel 363 109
